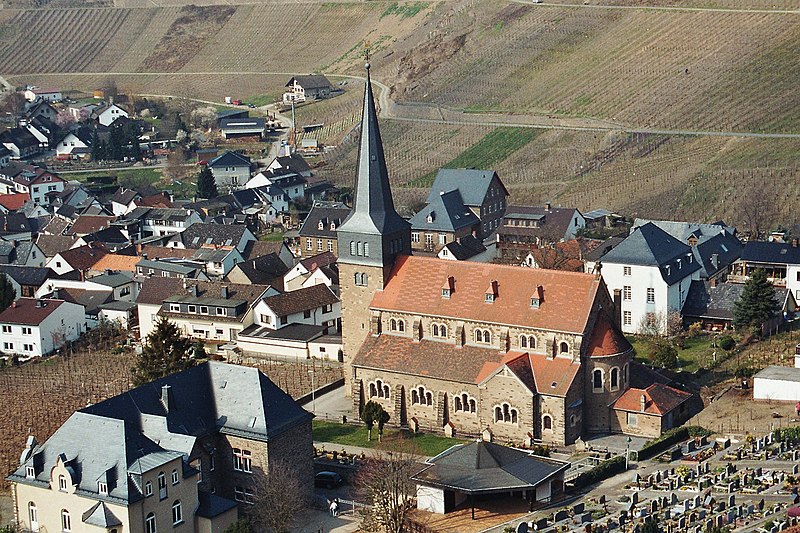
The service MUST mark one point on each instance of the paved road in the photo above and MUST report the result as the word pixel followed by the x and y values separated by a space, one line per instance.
pixel 394 111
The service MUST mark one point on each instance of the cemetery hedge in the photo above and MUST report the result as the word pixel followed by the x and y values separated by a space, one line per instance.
pixel 604 470
pixel 667 439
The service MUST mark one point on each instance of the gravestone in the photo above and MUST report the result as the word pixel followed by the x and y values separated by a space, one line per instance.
pixel 601 499
pixel 586 518
pixel 578 508
pixel 635 498
pixel 560 515
pixel 522 527
pixel 682 523
pixel 686 505
pixel 731 500
pixel 701 514
pixel 540 524
pixel 673 498
pixel 653 506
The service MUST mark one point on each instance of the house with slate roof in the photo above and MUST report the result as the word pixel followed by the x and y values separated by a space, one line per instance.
pixel 307 87
pixel 508 353
pixel 652 271
pixel 318 232
pixel 201 235
pixel 180 453
pixel 463 249
pixel 20 142
pixel 781 260
pixel 26 280
pixel 481 190
pixel 231 171
pixel 444 220
pixel 525 228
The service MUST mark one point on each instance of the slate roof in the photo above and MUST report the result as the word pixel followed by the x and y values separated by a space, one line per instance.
pixel 473 184
pixel 660 399
pixel 34 276
pixel 310 81
pixel 157 290
pixel 86 224
pixel 124 196
pixel 211 505
pixel 266 270
pixel 25 311
pixel 466 247
pixel 705 301
pixel 292 332
pixel 717 244
pixel 294 163
pixel 771 252
pixel 50 245
pixel 415 286
pixel 83 257
pixel 113 279
pixel 446 211
pixel 553 222
pixel 20 137
pixel 602 249
pixel 101 516
pixel 117 438
pixel 14 223
pixel 168 266
pixel 486 467
pixel 230 159
pixel 327 214
pixel 649 245
pixel 256 249
pixel 161 252
pixel 200 234
pixel 304 299
pixel 90 300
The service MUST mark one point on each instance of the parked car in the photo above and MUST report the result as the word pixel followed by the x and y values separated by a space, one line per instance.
pixel 328 480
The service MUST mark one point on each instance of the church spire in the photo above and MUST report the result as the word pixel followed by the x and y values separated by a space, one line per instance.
pixel 373 208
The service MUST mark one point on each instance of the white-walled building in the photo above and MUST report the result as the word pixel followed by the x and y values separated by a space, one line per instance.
pixel 34 327
pixel 231 171
pixel 36 94
pixel 780 383
pixel 652 272
pixel 107 113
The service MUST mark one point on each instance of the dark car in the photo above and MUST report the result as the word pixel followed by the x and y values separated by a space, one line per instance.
pixel 328 480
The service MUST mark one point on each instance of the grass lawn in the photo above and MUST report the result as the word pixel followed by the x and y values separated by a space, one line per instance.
pixel 393 439
pixel 259 100
pixel 271 237
pixel 486 153
pixel 130 177
pixel 698 352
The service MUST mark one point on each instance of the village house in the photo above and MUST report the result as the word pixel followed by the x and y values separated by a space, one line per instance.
pixel 77 143
pixel 466 248
pixel 314 270
pixel 527 227
pixel 231 171
pixel 445 219
pixel 41 109
pixel 81 259
pixel 514 354
pixel 13 201
pixel 21 143
pixel 781 261
pixel 34 327
pixel 163 222
pixel 256 249
pixel 307 87
pixel 5 156
pixel 37 94
pixel 202 235
pixel 290 164
pixel 264 270
pixel 180 453
pixel 318 232
pixel 171 268
pixel 21 253
pixel 653 271
pixel 107 113
pixel 481 191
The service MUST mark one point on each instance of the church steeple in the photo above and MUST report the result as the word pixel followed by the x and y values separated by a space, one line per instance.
pixel 373 231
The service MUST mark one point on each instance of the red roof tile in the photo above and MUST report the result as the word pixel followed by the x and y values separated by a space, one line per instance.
pixel 83 257
pixel 414 286
pixel 25 311
pixel 606 339
pixel 12 202
pixel 86 224
pixel 660 399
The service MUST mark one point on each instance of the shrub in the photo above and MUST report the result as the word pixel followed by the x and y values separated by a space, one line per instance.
pixel 540 450
pixel 726 342
pixel 744 371
pixel 664 354
pixel 604 470
pixel 695 329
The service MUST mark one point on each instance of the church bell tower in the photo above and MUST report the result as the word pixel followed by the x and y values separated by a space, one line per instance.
pixel 371 237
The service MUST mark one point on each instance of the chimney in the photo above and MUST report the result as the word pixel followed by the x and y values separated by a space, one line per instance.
pixel 194 290
pixel 167 398
pixel 547 206
pixel 109 272
pixel 713 283
pixel 642 402
pixel 715 260
pixel 794 243
pixel 618 308
pixel 224 292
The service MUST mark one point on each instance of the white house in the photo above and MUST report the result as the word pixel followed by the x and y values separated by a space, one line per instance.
pixel 32 327
pixel 35 94
pixel 218 262
pixel 77 143
pixel 780 383
pixel 231 171
pixel 652 272
pixel 107 114
pixel 316 305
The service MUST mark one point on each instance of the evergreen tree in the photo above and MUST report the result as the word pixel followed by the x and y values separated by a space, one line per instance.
pixel 206 186
pixel 372 414
pixel 757 303
pixel 7 293
pixel 164 352
pixel 95 146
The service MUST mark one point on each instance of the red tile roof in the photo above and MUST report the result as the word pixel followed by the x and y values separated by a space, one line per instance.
pixel 83 257
pixel 24 311
pixel 414 286
pixel 550 376
pixel 660 399
pixel 12 202
pixel 606 339
pixel 86 224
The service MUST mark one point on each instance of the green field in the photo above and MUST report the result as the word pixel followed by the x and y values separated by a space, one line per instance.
pixel 393 439
pixel 133 177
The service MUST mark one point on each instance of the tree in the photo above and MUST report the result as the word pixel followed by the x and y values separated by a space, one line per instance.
pixel 650 526
pixel 373 413
pixel 206 185
pixel 164 352
pixel 757 304
pixel 7 293
pixel 175 162
pixel 663 354
pixel 278 496
pixel 386 487
pixel 64 119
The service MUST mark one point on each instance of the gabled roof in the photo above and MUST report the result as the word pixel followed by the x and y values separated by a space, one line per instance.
pixel 157 290
pixel 86 224
pixel 113 278
pixel 256 249
pixel 552 222
pixel 83 257
pixel 124 196
pixel 293 163
pixel 201 234
pixel 101 516
pixel 649 245
pixel 117 262
pixel 20 137
pixel 486 467
pixel 317 261
pixel 50 245
pixel 660 399
pixel 466 247
pixel 473 184
pixel 29 311
pixel 301 300
pixel 13 202
pixel 445 212
pixel 230 159
pixel 705 301
pixel 14 223
pixel 90 300
pixel 782 253
pixel 327 214
pixel 25 275
pixel 310 81
pixel 415 283
pixel 265 270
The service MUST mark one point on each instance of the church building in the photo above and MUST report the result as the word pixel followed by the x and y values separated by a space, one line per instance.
pixel 516 354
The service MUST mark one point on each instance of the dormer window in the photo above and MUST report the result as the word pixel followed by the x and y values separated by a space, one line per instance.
pixel 30 472
pixel 333 226
pixel 447 288
pixel 491 293
pixel 62 483
pixel 679 264
pixel 445 292
pixel 102 488
pixel 537 297
pixel 431 217
pixel 320 225
pixel 489 298
pixel 535 302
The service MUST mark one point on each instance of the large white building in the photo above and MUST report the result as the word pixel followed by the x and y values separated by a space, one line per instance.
pixel 652 272
pixel 34 327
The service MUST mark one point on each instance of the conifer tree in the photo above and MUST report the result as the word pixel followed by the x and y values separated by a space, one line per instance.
pixel 164 352
pixel 206 186
pixel 7 293
pixel 757 303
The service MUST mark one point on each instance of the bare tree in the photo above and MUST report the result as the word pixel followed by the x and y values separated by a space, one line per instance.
pixel 175 162
pixel 385 485
pixel 278 496
pixel 757 209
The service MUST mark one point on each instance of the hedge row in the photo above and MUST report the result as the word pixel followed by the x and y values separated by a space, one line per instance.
pixel 604 470
pixel 668 439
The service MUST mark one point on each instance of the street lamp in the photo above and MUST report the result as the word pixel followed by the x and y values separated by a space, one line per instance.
pixel 627 449
pixel 313 393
